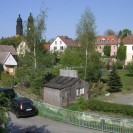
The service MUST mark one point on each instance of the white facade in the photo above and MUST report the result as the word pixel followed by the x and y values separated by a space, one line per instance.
pixel 10 61
pixel 58 45
pixel 129 53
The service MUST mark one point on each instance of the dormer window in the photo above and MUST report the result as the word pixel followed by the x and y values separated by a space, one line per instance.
pixel 103 40
pixel 113 40
pixel 108 40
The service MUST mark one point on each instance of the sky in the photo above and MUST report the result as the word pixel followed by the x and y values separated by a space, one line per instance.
pixel 64 15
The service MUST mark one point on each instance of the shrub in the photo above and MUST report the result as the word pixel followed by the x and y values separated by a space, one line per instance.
pixel 96 105
pixel 104 79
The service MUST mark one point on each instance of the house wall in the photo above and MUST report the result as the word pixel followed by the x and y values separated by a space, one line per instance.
pixel 52 96
pixel 10 69
pixel 69 94
pixel 129 53
pixel 113 51
pixel 57 44
pixel 10 65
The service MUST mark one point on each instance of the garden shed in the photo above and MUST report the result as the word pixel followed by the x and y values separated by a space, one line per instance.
pixel 65 89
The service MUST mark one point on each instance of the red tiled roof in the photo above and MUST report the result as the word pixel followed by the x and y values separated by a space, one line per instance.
pixel 128 39
pixel 108 39
pixel 47 46
pixel 68 41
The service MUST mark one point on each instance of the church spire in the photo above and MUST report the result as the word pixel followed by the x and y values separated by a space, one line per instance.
pixel 19 26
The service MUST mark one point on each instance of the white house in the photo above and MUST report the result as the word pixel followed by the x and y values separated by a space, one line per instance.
pixel 60 43
pixel 128 42
pixel 8 62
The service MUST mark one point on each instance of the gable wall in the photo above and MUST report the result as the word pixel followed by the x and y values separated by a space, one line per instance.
pixel 10 61
pixel 58 43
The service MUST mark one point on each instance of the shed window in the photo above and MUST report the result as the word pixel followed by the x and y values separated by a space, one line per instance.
pixel 80 91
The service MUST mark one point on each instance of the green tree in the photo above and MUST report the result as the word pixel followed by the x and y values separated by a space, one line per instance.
pixel 86 34
pixel 71 58
pixel 109 32
pixel 4 106
pixel 130 67
pixel 125 32
pixel 114 83
pixel 15 41
pixel 107 50
pixel 121 53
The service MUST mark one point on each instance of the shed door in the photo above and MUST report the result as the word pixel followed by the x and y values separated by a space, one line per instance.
pixel 65 99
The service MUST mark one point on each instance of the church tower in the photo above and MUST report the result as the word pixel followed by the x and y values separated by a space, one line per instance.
pixel 19 26
pixel 30 26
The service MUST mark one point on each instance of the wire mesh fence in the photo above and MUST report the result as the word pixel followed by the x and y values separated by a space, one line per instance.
pixel 87 120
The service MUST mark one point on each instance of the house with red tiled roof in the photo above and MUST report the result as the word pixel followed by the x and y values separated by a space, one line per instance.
pixel 60 43
pixel 47 46
pixel 107 40
pixel 128 42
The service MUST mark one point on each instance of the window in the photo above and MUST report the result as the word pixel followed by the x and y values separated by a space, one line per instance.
pixel 113 40
pixel 114 53
pixel 55 42
pixel 55 48
pixel 132 57
pixel 114 47
pixel 132 47
pixel 61 47
pixel 60 42
pixel 80 91
pixel 100 47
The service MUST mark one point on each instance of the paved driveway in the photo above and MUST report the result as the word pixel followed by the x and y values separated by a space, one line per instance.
pixel 39 124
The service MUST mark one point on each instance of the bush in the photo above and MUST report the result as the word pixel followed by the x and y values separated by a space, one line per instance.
pixel 119 65
pixel 95 89
pixel 96 105
pixel 104 79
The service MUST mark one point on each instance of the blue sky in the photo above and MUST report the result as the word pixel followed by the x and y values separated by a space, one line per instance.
pixel 64 15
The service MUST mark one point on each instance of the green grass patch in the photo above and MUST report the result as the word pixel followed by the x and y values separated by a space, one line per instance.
pixel 6 80
pixel 127 79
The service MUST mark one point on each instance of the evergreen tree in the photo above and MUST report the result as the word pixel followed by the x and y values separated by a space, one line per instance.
pixel 121 52
pixel 114 83
pixel 107 50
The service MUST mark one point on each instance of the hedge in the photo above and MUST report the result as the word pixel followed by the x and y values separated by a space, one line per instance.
pixel 96 105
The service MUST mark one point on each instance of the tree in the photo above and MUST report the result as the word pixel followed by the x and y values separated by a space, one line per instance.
pixel 71 58
pixel 130 67
pixel 4 106
pixel 122 34
pixel 15 41
pixel 107 50
pixel 86 39
pixel 109 32
pixel 121 53
pixel 114 83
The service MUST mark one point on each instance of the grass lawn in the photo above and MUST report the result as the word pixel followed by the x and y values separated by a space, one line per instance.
pixel 127 79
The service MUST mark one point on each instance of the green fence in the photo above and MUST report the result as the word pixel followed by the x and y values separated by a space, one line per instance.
pixel 88 120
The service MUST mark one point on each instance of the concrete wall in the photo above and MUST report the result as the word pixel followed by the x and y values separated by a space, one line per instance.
pixel 68 73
